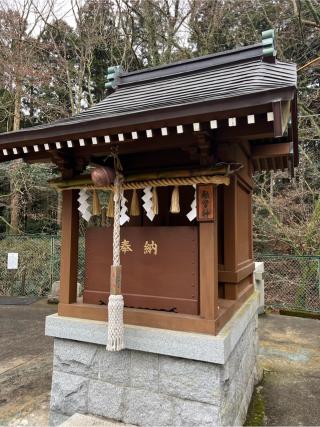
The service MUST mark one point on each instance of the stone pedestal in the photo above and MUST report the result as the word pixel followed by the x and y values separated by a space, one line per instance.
pixel 258 277
pixel 53 297
pixel 162 378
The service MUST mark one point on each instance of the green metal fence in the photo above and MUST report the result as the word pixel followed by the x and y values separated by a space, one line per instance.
pixel 56 244
pixel 38 264
pixel 34 273
pixel 291 282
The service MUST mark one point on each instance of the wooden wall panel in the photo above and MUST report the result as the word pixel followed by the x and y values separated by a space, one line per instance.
pixel 164 275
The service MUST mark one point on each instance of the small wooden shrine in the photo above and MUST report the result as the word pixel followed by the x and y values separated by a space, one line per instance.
pixel 189 136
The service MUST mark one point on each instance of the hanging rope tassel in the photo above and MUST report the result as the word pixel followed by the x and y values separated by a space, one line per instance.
pixel 115 341
pixel 110 207
pixel 155 204
pixel 134 207
pixel 96 207
pixel 175 204
pixel 115 323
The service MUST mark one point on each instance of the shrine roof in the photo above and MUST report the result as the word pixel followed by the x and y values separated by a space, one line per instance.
pixel 174 93
pixel 211 83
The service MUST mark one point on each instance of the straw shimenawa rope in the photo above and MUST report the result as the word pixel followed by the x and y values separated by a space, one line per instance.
pixel 135 207
pixel 163 182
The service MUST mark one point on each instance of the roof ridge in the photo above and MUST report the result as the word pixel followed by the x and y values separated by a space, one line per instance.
pixel 192 65
pixel 194 59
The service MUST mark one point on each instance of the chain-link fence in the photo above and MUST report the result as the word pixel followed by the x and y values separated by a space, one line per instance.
pixel 56 259
pixel 291 282
pixel 38 264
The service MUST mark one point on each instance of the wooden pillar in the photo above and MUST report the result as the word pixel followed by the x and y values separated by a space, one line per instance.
pixel 69 247
pixel 230 225
pixel 230 235
pixel 238 264
pixel 208 255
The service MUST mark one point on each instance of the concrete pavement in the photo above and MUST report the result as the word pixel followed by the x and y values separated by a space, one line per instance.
pixel 290 356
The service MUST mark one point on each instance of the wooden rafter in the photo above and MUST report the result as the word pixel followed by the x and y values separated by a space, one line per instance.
pixel 270 150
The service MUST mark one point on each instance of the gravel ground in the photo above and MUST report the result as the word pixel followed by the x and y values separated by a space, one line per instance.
pixel 25 364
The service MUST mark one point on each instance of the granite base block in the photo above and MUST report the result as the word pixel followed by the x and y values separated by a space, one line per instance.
pixel 149 389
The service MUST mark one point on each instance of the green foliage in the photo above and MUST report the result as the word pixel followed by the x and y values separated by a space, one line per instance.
pixel 38 203
pixel 287 212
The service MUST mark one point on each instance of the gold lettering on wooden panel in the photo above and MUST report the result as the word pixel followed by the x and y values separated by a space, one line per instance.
pixel 125 246
pixel 150 248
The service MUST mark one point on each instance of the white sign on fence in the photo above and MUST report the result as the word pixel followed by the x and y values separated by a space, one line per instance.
pixel 12 262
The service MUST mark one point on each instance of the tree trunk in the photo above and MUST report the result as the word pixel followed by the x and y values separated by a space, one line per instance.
pixel 59 209
pixel 14 181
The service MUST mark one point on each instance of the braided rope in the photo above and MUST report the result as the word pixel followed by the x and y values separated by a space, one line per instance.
pixel 116 222
pixel 115 339
pixel 163 182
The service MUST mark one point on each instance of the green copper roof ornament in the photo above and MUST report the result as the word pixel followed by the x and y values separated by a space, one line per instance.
pixel 113 74
pixel 269 43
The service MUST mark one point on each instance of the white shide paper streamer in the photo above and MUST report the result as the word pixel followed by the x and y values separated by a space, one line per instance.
pixel 147 205
pixel 84 205
pixel 193 213
pixel 123 210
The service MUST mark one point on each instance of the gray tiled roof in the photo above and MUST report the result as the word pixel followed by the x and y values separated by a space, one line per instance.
pixel 192 83
pixel 212 84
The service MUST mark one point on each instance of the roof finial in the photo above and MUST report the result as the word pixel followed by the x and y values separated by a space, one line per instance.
pixel 269 43
pixel 113 74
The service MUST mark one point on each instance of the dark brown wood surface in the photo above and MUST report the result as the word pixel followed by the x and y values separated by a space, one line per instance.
pixel 208 258
pixel 270 150
pixel 69 247
pixel 162 319
pixel 236 258
pixel 159 267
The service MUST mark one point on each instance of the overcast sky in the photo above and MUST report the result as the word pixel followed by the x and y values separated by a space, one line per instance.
pixel 62 9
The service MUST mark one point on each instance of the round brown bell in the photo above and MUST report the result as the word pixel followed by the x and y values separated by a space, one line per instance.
pixel 103 175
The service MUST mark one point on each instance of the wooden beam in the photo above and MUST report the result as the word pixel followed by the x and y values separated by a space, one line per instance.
pixel 208 258
pixel 142 145
pixel 160 319
pixel 69 247
pixel 179 173
pixel 141 317
pixel 260 129
pixel 235 276
pixel 270 150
